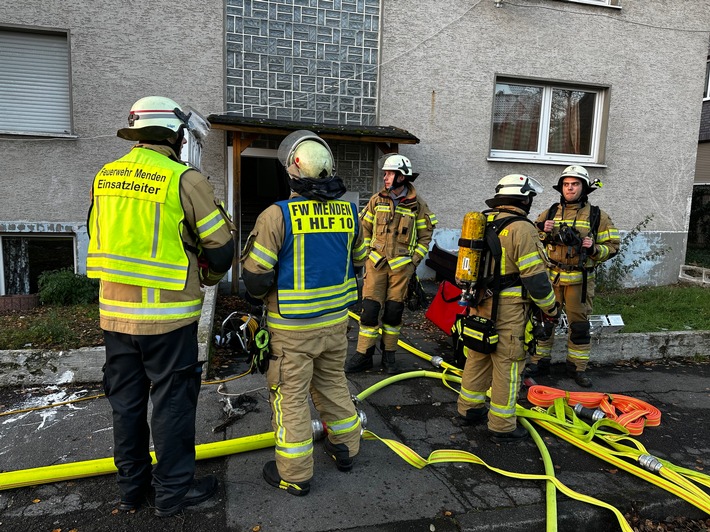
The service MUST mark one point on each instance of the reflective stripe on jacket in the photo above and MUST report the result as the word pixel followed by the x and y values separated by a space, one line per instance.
pixel 400 234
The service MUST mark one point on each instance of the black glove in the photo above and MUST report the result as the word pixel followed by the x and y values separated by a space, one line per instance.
pixel 544 324
pixel 554 314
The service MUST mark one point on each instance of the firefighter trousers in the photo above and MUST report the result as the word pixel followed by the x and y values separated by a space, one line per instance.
pixel 163 367
pixel 578 336
pixel 303 362
pixel 383 293
pixel 500 371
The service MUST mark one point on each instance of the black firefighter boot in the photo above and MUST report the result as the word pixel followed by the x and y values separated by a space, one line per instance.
pixel 360 362
pixel 578 376
pixel 538 369
pixel 390 365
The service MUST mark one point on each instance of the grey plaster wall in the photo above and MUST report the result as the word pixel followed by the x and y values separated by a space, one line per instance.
pixel 120 52
pixel 652 53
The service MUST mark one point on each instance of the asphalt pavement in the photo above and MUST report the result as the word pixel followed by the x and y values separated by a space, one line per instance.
pixel 382 492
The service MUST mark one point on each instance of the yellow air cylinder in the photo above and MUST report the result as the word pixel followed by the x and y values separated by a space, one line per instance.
pixel 468 264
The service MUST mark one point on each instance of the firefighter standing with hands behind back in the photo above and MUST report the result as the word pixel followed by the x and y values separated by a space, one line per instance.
pixel 156 234
pixel 299 259
pixel 397 226
pixel 578 236
pixel 519 278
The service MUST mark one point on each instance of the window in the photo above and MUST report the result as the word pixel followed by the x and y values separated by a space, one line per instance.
pixel 706 94
pixel 35 83
pixel 23 258
pixel 536 121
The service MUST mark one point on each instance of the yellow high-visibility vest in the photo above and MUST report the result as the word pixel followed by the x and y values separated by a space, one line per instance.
pixel 135 223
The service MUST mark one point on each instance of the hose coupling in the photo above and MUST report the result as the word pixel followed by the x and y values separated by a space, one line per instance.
pixel 436 361
pixel 363 418
pixel 319 429
pixel 651 463
pixel 595 414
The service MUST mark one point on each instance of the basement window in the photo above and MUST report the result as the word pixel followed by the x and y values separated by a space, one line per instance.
pixel 23 258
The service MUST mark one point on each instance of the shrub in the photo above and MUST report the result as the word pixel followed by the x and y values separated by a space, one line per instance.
pixel 64 287
pixel 610 275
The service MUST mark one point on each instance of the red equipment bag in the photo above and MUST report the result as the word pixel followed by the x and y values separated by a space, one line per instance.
pixel 444 308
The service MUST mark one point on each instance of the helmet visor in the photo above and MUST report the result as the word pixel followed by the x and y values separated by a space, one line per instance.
pixel 197 124
pixel 531 185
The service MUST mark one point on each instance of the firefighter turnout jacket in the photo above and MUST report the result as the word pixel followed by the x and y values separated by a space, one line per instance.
pixel 566 263
pixel 400 234
pixel 523 256
pixel 314 245
pixel 149 215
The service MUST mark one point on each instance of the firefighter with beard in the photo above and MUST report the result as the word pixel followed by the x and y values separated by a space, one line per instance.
pixel 299 259
pixel 398 227
pixel 521 280
pixel 578 236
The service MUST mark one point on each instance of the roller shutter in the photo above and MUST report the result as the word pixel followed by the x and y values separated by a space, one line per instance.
pixel 35 94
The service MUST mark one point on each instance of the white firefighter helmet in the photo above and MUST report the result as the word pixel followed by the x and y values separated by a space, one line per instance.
pixel 518 185
pixel 308 153
pixel 153 118
pixel 398 163
pixel 578 172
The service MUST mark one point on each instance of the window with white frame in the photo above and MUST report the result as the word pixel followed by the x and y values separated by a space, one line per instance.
pixel 539 121
pixel 35 88
pixel 706 92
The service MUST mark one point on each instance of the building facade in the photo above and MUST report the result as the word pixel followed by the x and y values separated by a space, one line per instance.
pixel 70 73
pixel 469 90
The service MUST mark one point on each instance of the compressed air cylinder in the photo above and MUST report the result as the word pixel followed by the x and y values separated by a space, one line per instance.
pixel 469 261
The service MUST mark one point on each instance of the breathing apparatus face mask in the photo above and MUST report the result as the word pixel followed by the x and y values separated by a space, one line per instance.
pixel 568 236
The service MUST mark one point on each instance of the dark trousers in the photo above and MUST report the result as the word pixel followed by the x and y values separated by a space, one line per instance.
pixel 163 367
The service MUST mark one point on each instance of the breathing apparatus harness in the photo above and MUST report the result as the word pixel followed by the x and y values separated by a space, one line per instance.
pixel 478 274
pixel 570 236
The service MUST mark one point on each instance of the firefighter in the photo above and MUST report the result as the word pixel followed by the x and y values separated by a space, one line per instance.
pixel 578 236
pixel 397 226
pixel 299 259
pixel 523 270
pixel 156 235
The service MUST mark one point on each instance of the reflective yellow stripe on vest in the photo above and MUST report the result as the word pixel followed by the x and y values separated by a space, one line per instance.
pixel 150 311
pixel 276 321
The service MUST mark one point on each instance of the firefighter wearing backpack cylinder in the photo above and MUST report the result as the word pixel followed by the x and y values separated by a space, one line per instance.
pixel 578 236
pixel 519 279
pixel 397 225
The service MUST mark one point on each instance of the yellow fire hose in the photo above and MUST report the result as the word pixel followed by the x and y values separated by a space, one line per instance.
pixel 674 479
pixel 104 466
pixel 455 455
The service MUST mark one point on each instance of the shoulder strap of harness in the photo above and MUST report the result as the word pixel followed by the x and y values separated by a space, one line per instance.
pixel 492 238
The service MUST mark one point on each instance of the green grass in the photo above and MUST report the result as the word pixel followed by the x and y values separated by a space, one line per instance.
pixel 51 327
pixel 676 307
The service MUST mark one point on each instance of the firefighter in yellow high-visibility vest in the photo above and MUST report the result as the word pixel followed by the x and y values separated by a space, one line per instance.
pixel 299 259
pixel 397 226
pixel 156 235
